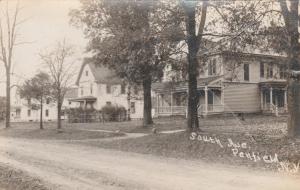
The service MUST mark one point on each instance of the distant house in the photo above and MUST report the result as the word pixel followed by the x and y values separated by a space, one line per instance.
pixel 2 107
pixel 26 109
pixel 229 83
pixel 99 86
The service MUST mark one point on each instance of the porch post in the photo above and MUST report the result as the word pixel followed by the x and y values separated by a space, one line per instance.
pixel 157 104
pixel 85 104
pixel 261 99
pixel 285 99
pixel 222 95
pixel 206 100
pixel 271 96
pixel 171 103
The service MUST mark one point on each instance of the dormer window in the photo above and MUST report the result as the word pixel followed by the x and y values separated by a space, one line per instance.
pixel 86 73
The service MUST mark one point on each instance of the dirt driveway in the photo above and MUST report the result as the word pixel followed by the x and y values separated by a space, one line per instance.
pixel 70 167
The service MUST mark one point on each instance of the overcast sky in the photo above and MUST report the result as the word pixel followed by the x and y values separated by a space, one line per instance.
pixel 48 22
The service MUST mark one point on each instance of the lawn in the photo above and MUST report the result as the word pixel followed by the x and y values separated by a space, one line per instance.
pixel 251 124
pixel 257 142
pixel 13 179
pixel 179 145
pixel 32 131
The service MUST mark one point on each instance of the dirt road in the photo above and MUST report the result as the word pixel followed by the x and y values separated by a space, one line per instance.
pixel 71 167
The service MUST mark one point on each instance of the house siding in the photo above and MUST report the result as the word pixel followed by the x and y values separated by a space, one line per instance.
pixel 241 97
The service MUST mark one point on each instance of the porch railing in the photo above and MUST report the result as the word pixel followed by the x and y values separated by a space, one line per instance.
pixel 268 107
pixel 213 108
pixel 181 110
pixel 171 110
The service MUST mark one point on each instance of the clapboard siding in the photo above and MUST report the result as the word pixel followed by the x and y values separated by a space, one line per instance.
pixel 241 97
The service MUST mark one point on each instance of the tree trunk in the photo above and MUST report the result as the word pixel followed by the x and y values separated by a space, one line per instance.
pixel 291 21
pixel 147 101
pixel 59 104
pixel 41 114
pixel 7 116
pixel 58 115
pixel 192 116
pixel 128 102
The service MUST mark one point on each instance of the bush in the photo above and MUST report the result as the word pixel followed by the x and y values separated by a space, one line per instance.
pixel 113 113
pixel 80 115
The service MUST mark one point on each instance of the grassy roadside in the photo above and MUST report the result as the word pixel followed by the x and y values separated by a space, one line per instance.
pixel 53 134
pixel 179 145
pixel 12 179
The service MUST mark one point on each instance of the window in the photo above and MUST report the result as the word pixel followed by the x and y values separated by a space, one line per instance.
pixel 212 67
pixel 47 113
pixel 282 73
pixel 28 113
pixel 123 88
pixel 246 72
pixel 70 102
pixel 210 97
pixel 29 101
pixel 86 73
pixel 270 71
pixel 81 91
pixel 48 101
pixel 136 91
pixel 262 70
pixel 108 89
pixel 132 107
pixel 108 103
pixel 91 89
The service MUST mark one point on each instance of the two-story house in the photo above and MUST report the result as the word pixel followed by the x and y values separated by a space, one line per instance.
pixel 23 109
pixel 99 86
pixel 229 82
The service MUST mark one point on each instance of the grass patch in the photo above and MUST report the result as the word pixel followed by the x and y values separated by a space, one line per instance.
pixel 11 179
pixel 54 134
pixel 179 145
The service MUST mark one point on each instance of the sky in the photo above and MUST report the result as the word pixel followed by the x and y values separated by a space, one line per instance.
pixel 47 21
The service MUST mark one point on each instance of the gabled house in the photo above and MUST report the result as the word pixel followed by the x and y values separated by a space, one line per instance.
pixel 23 110
pixel 99 86
pixel 229 82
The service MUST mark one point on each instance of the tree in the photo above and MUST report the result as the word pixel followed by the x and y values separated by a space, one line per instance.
pixel 193 42
pixel 8 41
pixel 229 24
pixel 38 89
pixel 133 38
pixel 291 19
pixel 61 71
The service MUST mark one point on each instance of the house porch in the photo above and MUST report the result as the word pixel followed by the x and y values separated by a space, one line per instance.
pixel 171 98
pixel 273 97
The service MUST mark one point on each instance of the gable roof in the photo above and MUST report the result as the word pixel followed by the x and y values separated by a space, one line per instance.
pixel 101 73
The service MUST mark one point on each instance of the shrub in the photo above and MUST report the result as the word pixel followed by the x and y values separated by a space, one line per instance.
pixel 113 113
pixel 80 115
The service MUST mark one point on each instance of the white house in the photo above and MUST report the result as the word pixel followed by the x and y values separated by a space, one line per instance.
pixel 22 109
pixel 99 86
pixel 229 82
